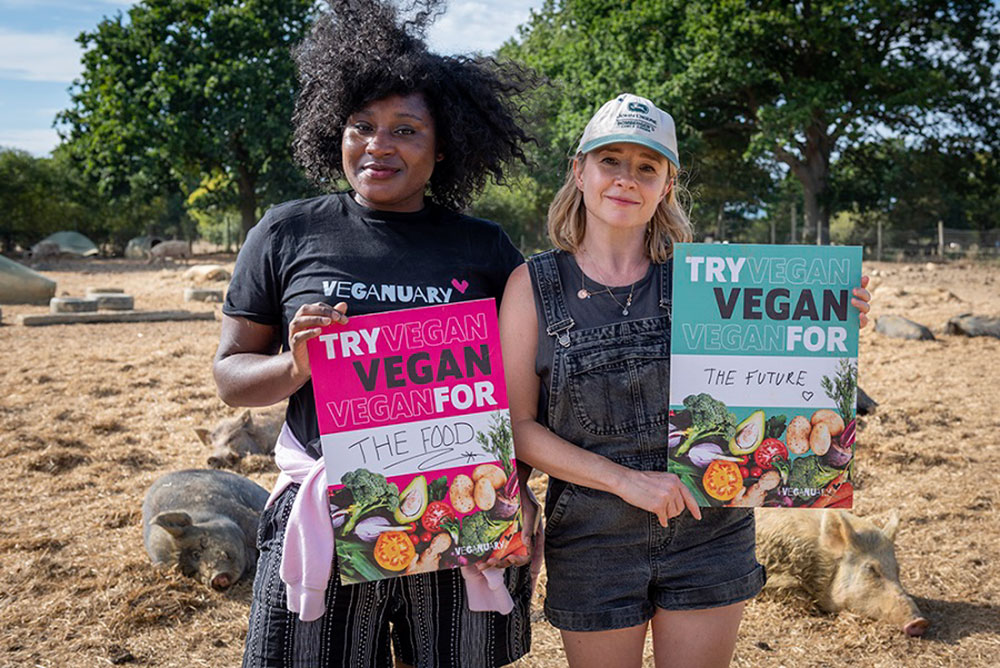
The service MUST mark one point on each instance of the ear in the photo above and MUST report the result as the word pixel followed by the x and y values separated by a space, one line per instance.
pixel 245 417
pixel 439 157
pixel 835 531
pixel 175 523
pixel 891 526
pixel 667 188
pixel 204 435
pixel 578 174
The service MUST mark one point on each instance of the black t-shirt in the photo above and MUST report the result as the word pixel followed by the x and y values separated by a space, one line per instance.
pixel 332 249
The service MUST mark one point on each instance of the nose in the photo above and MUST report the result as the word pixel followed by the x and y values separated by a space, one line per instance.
pixel 916 627
pixel 379 143
pixel 624 177
pixel 222 581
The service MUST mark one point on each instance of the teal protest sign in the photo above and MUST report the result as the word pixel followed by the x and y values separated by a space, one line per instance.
pixel 763 382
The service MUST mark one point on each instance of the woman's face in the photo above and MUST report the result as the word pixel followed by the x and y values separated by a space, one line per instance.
pixel 622 184
pixel 389 152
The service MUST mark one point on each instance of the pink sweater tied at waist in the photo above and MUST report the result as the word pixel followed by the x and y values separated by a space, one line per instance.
pixel 307 559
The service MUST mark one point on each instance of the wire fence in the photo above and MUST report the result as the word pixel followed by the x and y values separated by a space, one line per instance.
pixel 886 244
pixel 947 243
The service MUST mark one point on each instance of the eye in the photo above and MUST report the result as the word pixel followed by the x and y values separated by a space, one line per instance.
pixel 649 169
pixel 361 126
pixel 874 571
pixel 405 131
pixel 608 160
pixel 195 555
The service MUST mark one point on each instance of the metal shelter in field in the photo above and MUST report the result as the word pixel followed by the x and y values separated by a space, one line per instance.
pixel 21 285
pixel 71 243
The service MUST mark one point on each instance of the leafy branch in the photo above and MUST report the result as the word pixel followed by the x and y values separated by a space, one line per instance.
pixel 499 441
pixel 842 388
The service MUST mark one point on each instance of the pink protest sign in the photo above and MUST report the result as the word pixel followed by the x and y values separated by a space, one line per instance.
pixel 415 431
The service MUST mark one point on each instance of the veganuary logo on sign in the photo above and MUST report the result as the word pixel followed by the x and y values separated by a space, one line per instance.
pixel 387 292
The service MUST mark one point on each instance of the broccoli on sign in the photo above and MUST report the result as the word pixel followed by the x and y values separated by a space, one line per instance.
pixel 370 491
pixel 709 417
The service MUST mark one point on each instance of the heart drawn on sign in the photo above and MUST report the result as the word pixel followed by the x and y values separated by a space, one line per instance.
pixel 461 286
pixel 807 395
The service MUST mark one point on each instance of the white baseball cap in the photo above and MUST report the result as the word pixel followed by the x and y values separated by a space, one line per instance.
pixel 634 120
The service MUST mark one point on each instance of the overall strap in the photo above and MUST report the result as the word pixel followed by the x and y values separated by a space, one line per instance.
pixel 545 274
pixel 666 285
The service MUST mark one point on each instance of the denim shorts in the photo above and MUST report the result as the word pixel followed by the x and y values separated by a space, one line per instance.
pixel 610 564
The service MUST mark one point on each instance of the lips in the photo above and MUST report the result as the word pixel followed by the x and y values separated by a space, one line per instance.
pixel 621 200
pixel 379 170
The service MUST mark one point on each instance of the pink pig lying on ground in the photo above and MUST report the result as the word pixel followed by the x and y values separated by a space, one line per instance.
pixel 843 561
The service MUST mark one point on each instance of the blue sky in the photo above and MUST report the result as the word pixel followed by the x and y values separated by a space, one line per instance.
pixel 39 57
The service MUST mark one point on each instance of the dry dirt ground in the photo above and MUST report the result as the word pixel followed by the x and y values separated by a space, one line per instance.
pixel 90 415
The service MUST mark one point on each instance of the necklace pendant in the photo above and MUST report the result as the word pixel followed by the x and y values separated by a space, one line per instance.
pixel 583 294
pixel 625 311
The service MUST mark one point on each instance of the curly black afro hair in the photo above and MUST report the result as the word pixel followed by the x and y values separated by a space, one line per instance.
pixel 364 50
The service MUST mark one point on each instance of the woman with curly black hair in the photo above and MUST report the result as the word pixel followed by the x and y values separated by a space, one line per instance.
pixel 415 135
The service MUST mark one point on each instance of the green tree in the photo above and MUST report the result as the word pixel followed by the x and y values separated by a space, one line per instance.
pixel 787 82
pixel 805 80
pixel 182 89
pixel 728 191
pixel 521 205
pixel 24 197
pixel 44 195
pixel 910 189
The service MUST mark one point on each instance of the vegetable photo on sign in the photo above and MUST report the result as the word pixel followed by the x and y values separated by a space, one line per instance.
pixel 809 464
pixel 381 531
pixel 763 378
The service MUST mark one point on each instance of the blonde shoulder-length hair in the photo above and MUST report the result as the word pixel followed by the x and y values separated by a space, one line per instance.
pixel 567 220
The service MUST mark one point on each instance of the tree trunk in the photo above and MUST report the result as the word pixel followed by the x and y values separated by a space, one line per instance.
pixel 813 171
pixel 247 183
pixel 810 203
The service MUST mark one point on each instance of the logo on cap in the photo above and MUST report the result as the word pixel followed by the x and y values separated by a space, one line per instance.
pixel 639 107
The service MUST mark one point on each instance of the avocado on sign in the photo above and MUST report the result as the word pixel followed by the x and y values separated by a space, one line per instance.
pixel 763 378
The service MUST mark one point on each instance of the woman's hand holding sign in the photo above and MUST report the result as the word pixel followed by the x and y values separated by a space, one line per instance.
pixel 862 301
pixel 307 324
pixel 248 369
pixel 662 494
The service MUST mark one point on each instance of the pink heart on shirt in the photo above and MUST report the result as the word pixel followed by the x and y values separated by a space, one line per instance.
pixel 461 286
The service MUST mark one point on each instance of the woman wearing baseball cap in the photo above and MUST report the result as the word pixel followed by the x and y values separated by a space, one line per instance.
pixel 585 330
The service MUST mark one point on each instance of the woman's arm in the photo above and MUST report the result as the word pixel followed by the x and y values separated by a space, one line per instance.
pixel 658 492
pixel 249 368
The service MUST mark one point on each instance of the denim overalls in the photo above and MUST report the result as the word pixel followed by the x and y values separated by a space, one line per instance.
pixel 610 564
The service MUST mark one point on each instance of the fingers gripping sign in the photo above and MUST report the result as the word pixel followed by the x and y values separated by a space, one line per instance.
pixel 662 494
pixel 862 301
pixel 307 324
pixel 684 499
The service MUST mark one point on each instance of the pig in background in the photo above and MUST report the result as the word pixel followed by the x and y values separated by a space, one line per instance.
pixel 173 249
pixel 232 439
pixel 204 522
pixel 842 561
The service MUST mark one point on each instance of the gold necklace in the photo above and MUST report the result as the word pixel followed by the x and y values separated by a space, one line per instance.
pixel 584 293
